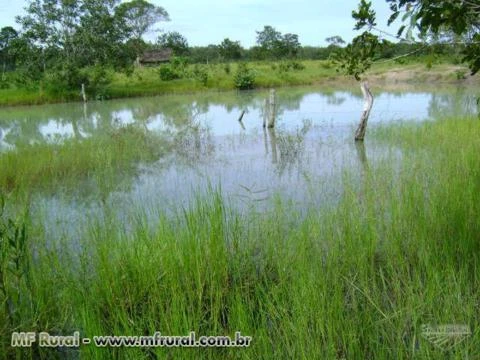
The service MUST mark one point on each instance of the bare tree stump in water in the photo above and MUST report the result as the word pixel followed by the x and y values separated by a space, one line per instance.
pixel 271 111
pixel 362 127
pixel 84 96
pixel 241 116
pixel 240 120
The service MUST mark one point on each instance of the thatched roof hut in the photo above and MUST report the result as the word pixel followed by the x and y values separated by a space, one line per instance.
pixel 151 57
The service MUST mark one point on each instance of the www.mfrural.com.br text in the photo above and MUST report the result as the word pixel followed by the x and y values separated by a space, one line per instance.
pixel 44 339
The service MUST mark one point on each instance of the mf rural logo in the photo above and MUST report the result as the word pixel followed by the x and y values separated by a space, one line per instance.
pixel 446 337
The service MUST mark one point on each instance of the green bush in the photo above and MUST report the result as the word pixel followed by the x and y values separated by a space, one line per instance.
pixel 291 65
pixel 297 65
pixel 328 64
pixel 200 74
pixel 177 69
pixel 244 78
pixel 98 79
pixel 61 82
pixel 284 67
pixel 227 68
pixel 28 76
pixel 167 73
pixel 460 74
pixel 4 83
pixel 179 65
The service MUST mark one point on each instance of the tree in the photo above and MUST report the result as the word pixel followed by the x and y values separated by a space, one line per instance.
pixel 175 41
pixel 140 16
pixel 230 50
pixel 274 44
pixel 428 17
pixel 335 41
pixel 65 36
pixel 49 25
pixel 204 54
pixel 290 45
pixel 78 33
pixel 7 36
pixel 268 38
pixel 462 17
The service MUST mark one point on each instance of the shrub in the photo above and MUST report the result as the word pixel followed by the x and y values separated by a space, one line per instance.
pixel 460 74
pixel 167 73
pixel 200 74
pixel 227 68
pixel 62 81
pixel 4 83
pixel 98 78
pixel 297 65
pixel 291 65
pixel 283 67
pixel 179 65
pixel 244 78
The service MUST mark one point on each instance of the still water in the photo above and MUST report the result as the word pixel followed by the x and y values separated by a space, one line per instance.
pixel 301 160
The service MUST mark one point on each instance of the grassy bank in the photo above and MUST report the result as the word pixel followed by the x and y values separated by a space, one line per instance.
pixel 217 77
pixel 400 250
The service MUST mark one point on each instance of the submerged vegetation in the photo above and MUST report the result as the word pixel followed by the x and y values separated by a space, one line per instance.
pixel 67 162
pixel 400 250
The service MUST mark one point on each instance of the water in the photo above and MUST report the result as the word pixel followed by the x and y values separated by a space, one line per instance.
pixel 301 160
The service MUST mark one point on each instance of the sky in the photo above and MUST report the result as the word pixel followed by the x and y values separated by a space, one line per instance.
pixel 205 22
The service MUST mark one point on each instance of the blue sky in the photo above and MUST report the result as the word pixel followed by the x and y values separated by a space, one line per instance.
pixel 205 22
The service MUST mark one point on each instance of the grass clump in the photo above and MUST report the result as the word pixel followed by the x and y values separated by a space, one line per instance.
pixel 66 162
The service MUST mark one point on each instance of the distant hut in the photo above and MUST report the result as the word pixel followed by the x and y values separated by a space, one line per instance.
pixel 154 57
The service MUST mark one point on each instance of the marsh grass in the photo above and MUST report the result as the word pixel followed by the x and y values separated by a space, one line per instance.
pixel 357 282
pixel 65 162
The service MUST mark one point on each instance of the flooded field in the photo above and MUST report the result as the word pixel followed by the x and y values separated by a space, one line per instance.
pixel 300 161
pixel 168 214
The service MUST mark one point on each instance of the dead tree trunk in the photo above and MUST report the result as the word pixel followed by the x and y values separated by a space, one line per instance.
pixel 272 110
pixel 82 92
pixel 362 127
pixel 241 116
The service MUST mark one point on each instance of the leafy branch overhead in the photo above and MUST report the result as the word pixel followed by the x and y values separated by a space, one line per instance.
pixel 423 17
pixel 356 58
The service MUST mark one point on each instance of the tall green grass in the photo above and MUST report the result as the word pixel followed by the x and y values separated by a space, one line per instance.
pixel 64 163
pixel 400 250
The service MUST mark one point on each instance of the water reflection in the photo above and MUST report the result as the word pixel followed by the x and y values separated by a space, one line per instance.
pixel 362 155
pixel 302 158
pixel 273 144
pixel 28 125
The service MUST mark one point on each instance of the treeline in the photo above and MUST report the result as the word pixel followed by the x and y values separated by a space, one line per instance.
pixel 390 50
pixel 59 45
